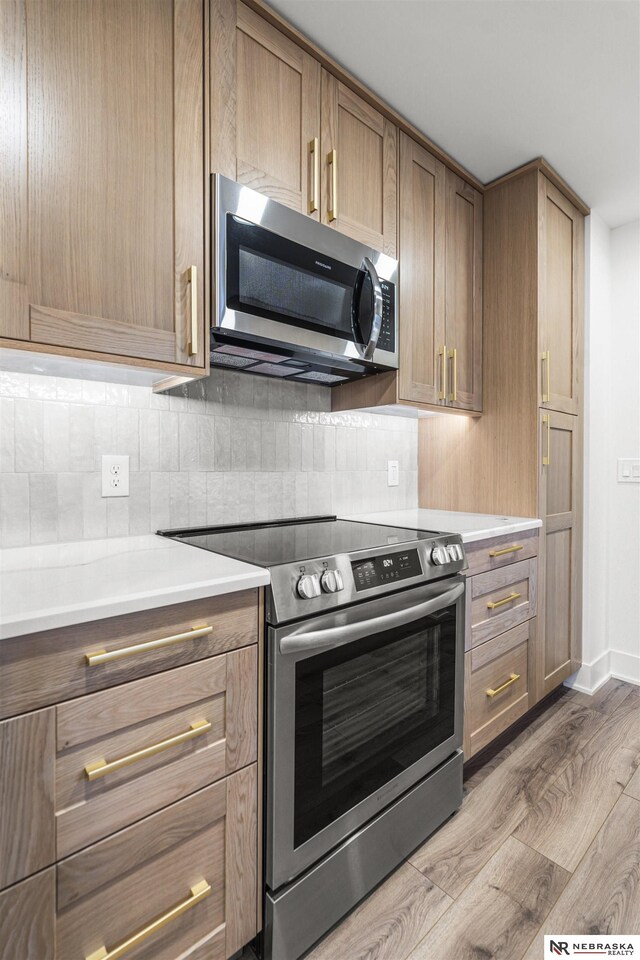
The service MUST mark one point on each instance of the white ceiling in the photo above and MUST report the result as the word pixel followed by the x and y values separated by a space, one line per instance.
pixel 498 82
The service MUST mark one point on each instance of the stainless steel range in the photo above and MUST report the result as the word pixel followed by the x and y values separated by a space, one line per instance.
pixel 364 694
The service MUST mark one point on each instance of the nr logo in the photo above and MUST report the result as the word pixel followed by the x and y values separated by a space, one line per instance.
pixel 559 947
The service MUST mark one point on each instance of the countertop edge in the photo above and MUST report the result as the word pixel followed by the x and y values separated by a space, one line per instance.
pixel 105 609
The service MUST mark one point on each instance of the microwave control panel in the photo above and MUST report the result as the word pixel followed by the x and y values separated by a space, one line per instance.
pixel 387 338
pixel 386 569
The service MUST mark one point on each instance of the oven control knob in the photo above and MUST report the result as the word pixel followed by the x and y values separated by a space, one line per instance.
pixel 308 586
pixel 331 581
pixel 439 556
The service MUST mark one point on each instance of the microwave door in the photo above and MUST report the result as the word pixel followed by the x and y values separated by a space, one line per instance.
pixel 367 309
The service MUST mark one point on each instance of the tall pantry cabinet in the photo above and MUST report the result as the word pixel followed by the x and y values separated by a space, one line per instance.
pixel 524 455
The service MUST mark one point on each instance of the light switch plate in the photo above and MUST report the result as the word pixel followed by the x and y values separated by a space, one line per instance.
pixel 115 476
pixel 393 473
pixel 628 471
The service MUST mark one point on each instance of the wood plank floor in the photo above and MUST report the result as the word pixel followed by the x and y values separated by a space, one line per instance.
pixel 547 840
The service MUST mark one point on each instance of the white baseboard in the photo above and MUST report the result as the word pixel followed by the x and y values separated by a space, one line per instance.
pixel 625 666
pixel 613 663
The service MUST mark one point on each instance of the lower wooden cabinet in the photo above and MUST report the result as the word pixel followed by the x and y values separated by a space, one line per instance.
pixel 501 641
pixel 179 884
pixel 496 685
pixel 139 801
pixel 560 474
pixel 27 919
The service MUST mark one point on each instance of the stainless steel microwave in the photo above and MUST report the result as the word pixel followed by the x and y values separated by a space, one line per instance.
pixel 294 298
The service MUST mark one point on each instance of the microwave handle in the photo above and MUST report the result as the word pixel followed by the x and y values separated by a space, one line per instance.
pixel 376 324
pixel 337 636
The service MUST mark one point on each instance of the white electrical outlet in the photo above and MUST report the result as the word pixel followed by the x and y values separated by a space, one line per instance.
pixel 393 473
pixel 115 476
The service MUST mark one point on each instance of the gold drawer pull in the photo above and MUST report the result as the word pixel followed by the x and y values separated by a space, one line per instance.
pixel 454 375
pixel 494 693
pixel 102 656
pixel 492 604
pixel 442 354
pixel 501 553
pixel 198 893
pixel 314 156
pixel 332 161
pixel 192 280
pixel 545 361
pixel 100 768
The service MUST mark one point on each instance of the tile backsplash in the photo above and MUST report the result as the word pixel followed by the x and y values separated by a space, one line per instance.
pixel 229 448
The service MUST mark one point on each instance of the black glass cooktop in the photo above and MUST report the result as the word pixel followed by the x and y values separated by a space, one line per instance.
pixel 291 541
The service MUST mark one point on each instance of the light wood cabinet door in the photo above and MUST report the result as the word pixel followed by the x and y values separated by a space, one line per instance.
pixel 277 115
pixel 27 796
pixel 116 187
pixel 463 294
pixel 359 179
pixel 27 919
pixel 561 286
pixel 422 185
pixel 14 301
pixel 558 650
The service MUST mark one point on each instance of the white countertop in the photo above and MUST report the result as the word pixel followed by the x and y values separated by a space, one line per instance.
pixel 471 526
pixel 42 587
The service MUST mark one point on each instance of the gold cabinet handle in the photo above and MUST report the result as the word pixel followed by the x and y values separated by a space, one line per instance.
pixel 314 156
pixel 546 457
pixel 192 280
pixel 546 367
pixel 454 374
pixel 100 768
pixel 443 359
pixel 104 656
pixel 512 549
pixel 199 892
pixel 494 604
pixel 332 160
pixel 494 693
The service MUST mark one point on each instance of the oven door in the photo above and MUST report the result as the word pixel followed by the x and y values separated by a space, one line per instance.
pixel 362 704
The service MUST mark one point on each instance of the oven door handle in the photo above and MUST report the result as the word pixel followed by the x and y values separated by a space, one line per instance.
pixel 337 636
pixel 376 320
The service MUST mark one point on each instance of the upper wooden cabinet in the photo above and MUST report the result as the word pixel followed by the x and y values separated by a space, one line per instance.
pixel 104 255
pixel 289 129
pixel 440 293
pixel 423 182
pixel 358 150
pixel 463 294
pixel 560 291
pixel 277 115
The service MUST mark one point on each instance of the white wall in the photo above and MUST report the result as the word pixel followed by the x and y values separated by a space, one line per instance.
pixel 623 570
pixel 611 604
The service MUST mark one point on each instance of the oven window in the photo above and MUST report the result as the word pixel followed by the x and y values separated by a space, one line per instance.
pixel 367 711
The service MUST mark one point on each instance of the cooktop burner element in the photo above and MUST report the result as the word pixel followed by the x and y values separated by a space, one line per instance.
pixel 319 563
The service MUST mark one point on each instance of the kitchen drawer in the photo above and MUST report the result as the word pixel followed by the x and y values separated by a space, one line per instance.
pixel 53 665
pixel 496 685
pixel 500 599
pixel 170 866
pixel 124 753
pixel 483 555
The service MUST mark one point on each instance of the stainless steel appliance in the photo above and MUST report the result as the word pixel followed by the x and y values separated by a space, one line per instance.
pixel 364 697
pixel 294 298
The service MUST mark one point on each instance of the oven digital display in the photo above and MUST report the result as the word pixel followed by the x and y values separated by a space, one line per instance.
pixel 386 569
